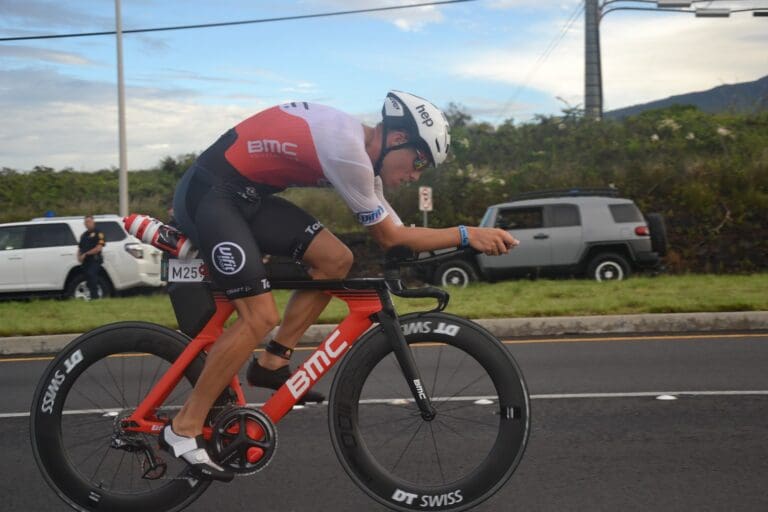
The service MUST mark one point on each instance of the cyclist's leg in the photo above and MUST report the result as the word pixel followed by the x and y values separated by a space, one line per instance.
pixel 328 258
pixel 234 260
pixel 257 315
pixel 302 237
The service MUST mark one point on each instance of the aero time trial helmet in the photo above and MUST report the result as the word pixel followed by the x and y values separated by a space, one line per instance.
pixel 425 124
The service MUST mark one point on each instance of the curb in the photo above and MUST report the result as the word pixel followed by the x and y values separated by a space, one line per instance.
pixel 503 328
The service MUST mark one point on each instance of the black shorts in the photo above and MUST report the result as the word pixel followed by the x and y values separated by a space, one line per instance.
pixel 234 223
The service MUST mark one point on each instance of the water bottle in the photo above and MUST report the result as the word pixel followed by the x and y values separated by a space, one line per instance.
pixel 152 231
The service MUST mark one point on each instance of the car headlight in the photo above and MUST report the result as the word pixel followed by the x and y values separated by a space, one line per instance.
pixel 135 250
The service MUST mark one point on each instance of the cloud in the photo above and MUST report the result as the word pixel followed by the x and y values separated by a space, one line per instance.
pixel 644 58
pixel 30 52
pixel 302 89
pixel 49 13
pixel 516 4
pixel 665 56
pixel 172 74
pixel 69 122
pixel 153 43
pixel 407 20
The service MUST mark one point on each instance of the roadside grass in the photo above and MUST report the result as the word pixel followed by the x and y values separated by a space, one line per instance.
pixel 522 298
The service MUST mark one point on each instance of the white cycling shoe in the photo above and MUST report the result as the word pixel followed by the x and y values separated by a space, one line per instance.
pixel 192 451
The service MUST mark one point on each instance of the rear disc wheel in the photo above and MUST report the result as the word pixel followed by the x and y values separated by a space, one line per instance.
pixel 77 440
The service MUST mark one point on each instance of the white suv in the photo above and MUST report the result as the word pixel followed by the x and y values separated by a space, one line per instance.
pixel 40 256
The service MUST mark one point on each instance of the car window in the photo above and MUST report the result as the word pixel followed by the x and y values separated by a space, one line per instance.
pixel 113 232
pixel 11 237
pixel 626 212
pixel 520 218
pixel 562 215
pixel 48 235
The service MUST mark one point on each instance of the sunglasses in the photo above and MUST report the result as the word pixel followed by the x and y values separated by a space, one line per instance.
pixel 421 161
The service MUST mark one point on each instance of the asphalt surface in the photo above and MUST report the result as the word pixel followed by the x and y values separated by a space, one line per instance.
pixel 600 438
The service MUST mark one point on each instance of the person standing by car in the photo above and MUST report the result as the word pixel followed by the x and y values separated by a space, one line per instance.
pixel 89 254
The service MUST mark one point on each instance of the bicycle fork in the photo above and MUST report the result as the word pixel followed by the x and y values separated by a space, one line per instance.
pixel 390 322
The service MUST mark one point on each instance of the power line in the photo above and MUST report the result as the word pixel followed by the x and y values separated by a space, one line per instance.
pixel 242 22
pixel 551 47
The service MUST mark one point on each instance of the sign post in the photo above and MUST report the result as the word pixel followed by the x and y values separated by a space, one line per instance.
pixel 425 201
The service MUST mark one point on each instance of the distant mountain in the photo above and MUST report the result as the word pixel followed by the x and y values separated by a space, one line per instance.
pixel 743 98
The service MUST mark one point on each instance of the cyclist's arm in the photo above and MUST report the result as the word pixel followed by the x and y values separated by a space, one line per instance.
pixel 487 240
pixel 378 190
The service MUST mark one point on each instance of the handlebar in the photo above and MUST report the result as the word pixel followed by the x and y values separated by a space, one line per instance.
pixel 432 292
pixel 401 256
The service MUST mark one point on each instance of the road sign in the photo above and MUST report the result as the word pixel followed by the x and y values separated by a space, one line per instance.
pixel 425 199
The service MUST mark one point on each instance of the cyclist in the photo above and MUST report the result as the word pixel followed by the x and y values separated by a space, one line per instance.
pixel 226 204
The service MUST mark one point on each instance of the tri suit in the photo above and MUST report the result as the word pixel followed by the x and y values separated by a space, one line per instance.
pixel 225 201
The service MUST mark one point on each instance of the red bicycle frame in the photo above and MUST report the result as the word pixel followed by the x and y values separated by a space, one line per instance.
pixel 363 305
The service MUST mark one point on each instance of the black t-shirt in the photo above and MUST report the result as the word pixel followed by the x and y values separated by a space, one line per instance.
pixel 88 241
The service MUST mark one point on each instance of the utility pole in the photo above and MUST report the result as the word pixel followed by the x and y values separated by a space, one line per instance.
pixel 593 74
pixel 123 173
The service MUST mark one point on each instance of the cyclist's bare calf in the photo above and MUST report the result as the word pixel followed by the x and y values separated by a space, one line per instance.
pixel 257 315
pixel 328 258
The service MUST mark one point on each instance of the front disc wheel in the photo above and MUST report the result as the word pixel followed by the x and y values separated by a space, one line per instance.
pixel 451 462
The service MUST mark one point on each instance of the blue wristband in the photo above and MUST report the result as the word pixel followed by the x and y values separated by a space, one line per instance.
pixel 464 234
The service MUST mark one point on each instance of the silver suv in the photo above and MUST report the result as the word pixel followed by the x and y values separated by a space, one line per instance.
pixel 586 232
pixel 40 257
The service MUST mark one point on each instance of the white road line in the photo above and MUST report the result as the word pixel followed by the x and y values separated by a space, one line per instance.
pixel 758 392
pixel 551 396
pixel 14 415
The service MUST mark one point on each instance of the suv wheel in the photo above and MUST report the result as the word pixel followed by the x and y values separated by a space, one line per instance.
pixel 455 273
pixel 608 267
pixel 78 288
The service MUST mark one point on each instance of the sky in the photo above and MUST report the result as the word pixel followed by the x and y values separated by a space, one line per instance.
pixel 58 98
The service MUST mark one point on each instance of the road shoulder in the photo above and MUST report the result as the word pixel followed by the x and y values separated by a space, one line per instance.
pixel 504 328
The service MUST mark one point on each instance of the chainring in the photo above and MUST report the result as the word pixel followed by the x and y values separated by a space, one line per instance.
pixel 244 440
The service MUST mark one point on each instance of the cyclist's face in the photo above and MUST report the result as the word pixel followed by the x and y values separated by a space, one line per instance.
pixel 398 168
pixel 402 165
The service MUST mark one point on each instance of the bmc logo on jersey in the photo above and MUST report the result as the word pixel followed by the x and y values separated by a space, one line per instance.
pixel 366 218
pixel 274 147
pixel 228 258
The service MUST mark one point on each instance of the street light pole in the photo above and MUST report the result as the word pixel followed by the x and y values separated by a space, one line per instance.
pixel 593 80
pixel 123 173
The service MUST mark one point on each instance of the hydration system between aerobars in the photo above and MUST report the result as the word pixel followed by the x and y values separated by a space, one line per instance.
pixel 167 238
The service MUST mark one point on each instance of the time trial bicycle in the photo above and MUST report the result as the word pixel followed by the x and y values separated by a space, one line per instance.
pixel 446 435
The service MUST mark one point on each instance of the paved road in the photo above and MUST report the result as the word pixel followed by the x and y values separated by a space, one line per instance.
pixel 600 439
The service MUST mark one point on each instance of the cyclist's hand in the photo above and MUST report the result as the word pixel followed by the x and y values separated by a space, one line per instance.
pixel 491 241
